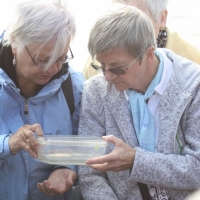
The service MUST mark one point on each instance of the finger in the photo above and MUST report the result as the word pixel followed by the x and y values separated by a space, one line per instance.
pixel 111 139
pixel 30 149
pixel 28 142
pixel 99 160
pixel 102 167
pixel 106 167
pixel 49 188
pixel 30 138
pixel 42 188
pixel 23 136
pixel 71 177
pixel 55 190
pixel 36 128
pixel 70 181
pixel 31 145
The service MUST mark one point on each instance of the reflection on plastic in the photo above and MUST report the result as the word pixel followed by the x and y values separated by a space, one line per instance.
pixel 70 150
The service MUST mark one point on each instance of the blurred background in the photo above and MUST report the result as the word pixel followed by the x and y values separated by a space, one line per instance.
pixel 183 17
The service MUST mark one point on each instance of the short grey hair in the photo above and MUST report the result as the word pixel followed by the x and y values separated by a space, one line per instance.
pixel 124 26
pixel 155 7
pixel 39 22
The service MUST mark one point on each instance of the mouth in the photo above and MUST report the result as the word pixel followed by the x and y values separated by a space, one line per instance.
pixel 117 83
pixel 45 77
pixel 120 86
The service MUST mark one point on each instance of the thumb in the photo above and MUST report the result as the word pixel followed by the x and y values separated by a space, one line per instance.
pixel 71 176
pixel 111 138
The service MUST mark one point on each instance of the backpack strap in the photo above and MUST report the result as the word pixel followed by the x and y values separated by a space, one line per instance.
pixel 144 191
pixel 68 93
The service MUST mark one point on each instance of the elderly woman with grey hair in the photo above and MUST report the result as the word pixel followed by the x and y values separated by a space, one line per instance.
pixel 146 106
pixel 33 64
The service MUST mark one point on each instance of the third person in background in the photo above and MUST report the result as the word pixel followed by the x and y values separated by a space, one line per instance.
pixel 157 12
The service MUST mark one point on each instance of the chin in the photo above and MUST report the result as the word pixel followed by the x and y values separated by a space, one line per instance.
pixel 43 82
pixel 120 88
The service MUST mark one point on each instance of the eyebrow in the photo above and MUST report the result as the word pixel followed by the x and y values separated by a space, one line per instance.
pixel 47 57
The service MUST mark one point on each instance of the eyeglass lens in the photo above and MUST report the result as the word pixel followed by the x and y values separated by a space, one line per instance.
pixel 118 71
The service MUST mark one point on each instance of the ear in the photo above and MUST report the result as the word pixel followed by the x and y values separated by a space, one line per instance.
pixel 163 18
pixel 14 50
pixel 150 55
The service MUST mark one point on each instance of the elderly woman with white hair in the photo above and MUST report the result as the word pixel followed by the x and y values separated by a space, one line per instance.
pixel 33 65
pixel 146 106
pixel 165 38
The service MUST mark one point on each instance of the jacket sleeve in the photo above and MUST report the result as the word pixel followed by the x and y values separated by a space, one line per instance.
pixel 4 148
pixel 93 184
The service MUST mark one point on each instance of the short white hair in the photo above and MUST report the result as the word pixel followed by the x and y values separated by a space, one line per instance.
pixel 155 7
pixel 39 22
pixel 123 26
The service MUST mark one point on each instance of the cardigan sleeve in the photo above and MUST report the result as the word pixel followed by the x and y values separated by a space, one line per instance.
pixel 93 184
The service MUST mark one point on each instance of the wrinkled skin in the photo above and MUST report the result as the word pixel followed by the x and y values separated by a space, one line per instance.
pixel 121 158
pixel 59 181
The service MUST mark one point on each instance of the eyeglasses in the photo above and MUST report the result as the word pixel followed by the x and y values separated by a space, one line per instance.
pixel 117 70
pixel 59 62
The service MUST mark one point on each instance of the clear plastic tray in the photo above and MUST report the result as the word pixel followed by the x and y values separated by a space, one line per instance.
pixel 69 150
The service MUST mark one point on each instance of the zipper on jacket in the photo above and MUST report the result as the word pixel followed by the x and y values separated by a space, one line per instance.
pixel 26 107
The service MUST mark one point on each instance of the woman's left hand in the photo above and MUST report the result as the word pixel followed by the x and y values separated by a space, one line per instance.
pixel 121 158
pixel 59 181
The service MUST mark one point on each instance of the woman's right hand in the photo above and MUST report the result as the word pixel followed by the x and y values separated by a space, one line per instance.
pixel 25 139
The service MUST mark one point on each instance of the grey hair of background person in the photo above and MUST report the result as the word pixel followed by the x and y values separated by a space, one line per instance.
pixel 155 7
pixel 39 22
pixel 123 26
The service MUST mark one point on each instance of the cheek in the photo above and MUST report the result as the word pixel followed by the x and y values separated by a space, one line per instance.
pixel 156 27
pixel 131 79
pixel 126 80
pixel 28 72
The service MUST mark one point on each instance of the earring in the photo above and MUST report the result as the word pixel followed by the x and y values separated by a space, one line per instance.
pixel 161 28
pixel 14 61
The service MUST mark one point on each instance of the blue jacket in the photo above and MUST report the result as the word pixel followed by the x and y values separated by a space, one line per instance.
pixel 20 173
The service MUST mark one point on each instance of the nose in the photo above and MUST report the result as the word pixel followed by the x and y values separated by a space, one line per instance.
pixel 54 68
pixel 109 76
